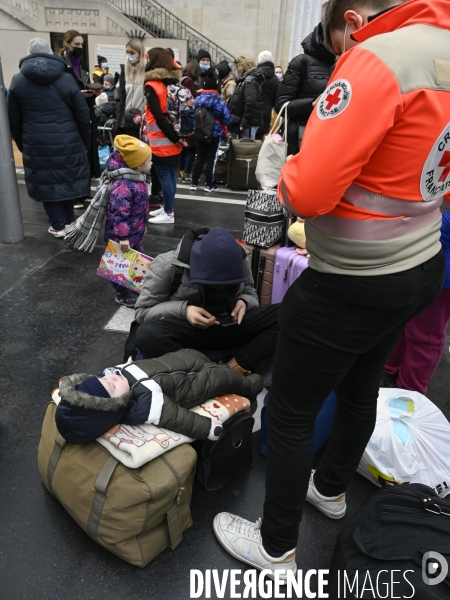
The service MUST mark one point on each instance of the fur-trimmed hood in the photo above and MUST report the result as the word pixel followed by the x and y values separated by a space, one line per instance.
pixel 162 391
pixel 74 397
pixel 168 77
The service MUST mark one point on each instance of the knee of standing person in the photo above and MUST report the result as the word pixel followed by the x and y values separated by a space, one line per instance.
pixel 206 281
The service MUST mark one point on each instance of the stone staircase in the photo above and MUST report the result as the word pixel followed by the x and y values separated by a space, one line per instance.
pixel 161 23
pixel 110 17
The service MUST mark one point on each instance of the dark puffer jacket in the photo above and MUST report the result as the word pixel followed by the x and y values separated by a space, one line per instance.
pixel 270 87
pixel 305 80
pixel 178 381
pixel 246 104
pixel 52 133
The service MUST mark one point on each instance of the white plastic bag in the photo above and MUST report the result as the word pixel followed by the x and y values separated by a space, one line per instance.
pixel 410 443
pixel 272 155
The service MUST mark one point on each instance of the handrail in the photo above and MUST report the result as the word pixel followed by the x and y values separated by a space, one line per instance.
pixel 161 23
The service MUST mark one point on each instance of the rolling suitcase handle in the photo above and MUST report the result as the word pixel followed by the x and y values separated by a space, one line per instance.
pixel 262 268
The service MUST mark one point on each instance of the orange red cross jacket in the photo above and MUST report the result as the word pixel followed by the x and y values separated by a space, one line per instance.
pixel 374 163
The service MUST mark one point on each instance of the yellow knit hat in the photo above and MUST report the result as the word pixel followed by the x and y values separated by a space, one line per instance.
pixel 133 151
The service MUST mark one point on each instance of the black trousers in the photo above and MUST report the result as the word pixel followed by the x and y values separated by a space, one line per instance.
pixel 336 333
pixel 256 336
pixel 206 153
pixel 60 214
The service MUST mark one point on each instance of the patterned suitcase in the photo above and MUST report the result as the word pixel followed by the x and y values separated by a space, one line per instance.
pixel 288 266
pixel 262 261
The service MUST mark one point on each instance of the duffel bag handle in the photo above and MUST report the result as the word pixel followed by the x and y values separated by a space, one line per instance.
pixel 101 483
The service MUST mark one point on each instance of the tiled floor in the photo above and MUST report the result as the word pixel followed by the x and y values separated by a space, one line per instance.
pixel 55 313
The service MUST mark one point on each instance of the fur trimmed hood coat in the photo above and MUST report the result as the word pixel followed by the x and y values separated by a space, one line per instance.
pixel 161 392
pixel 167 77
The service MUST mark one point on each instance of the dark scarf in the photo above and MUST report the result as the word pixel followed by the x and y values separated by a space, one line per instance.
pixel 76 62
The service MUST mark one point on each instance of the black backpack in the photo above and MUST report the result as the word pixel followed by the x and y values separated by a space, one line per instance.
pixel 220 462
pixel 390 535
pixel 204 124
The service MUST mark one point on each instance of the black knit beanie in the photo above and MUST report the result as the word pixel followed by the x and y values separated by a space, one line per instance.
pixel 210 81
pixel 93 386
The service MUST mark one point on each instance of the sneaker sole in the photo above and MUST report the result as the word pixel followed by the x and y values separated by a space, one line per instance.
pixel 235 555
pixel 331 515
pixel 122 304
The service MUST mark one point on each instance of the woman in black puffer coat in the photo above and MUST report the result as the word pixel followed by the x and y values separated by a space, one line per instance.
pixel 53 130
pixel 246 103
pixel 270 87
pixel 305 80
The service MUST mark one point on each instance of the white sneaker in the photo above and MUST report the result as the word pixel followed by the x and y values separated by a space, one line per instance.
pixel 57 233
pixel 158 211
pixel 78 205
pixel 242 539
pixel 162 218
pixel 193 188
pixel 332 506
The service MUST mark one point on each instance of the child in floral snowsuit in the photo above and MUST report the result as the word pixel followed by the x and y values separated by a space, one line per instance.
pixel 128 207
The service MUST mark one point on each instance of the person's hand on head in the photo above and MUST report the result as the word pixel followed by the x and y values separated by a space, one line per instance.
pixel 199 317
pixel 239 311
pixel 124 245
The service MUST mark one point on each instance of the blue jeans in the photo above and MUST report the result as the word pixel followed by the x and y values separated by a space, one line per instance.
pixel 60 214
pixel 249 133
pixel 168 179
pixel 187 158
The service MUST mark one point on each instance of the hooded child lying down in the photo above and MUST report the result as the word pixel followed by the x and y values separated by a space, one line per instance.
pixel 159 391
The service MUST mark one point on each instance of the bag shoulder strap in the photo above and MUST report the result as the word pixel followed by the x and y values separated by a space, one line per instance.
pixel 62 98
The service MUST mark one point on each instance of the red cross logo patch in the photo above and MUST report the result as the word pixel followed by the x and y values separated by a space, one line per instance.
pixel 335 99
pixel 435 179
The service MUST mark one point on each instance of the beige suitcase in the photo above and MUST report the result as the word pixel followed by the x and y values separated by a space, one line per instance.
pixel 133 513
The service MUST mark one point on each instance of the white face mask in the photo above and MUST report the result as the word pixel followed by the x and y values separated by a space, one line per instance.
pixel 133 59
pixel 279 75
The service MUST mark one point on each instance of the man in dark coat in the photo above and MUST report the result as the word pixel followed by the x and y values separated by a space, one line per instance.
pixel 50 124
pixel 305 80
pixel 201 295
pixel 270 87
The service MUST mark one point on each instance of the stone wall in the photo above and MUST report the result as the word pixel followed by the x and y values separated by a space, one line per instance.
pixel 241 26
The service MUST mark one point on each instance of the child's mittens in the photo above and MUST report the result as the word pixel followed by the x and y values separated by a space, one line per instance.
pixel 215 431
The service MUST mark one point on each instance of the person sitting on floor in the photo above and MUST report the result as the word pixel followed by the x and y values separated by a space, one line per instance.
pixel 201 295
pixel 159 391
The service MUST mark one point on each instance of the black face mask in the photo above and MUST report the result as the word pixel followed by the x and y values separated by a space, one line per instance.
pixel 77 52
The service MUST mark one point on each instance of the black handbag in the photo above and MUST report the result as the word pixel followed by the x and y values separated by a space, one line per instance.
pixel 265 219
pixel 389 539
pixel 221 461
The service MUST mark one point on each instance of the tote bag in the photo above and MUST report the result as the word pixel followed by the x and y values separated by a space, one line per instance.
pixel 272 155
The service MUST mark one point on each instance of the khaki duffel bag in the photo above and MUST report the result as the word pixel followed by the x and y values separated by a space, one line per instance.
pixel 133 513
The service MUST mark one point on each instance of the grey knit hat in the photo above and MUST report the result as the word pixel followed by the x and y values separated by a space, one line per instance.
pixel 39 46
